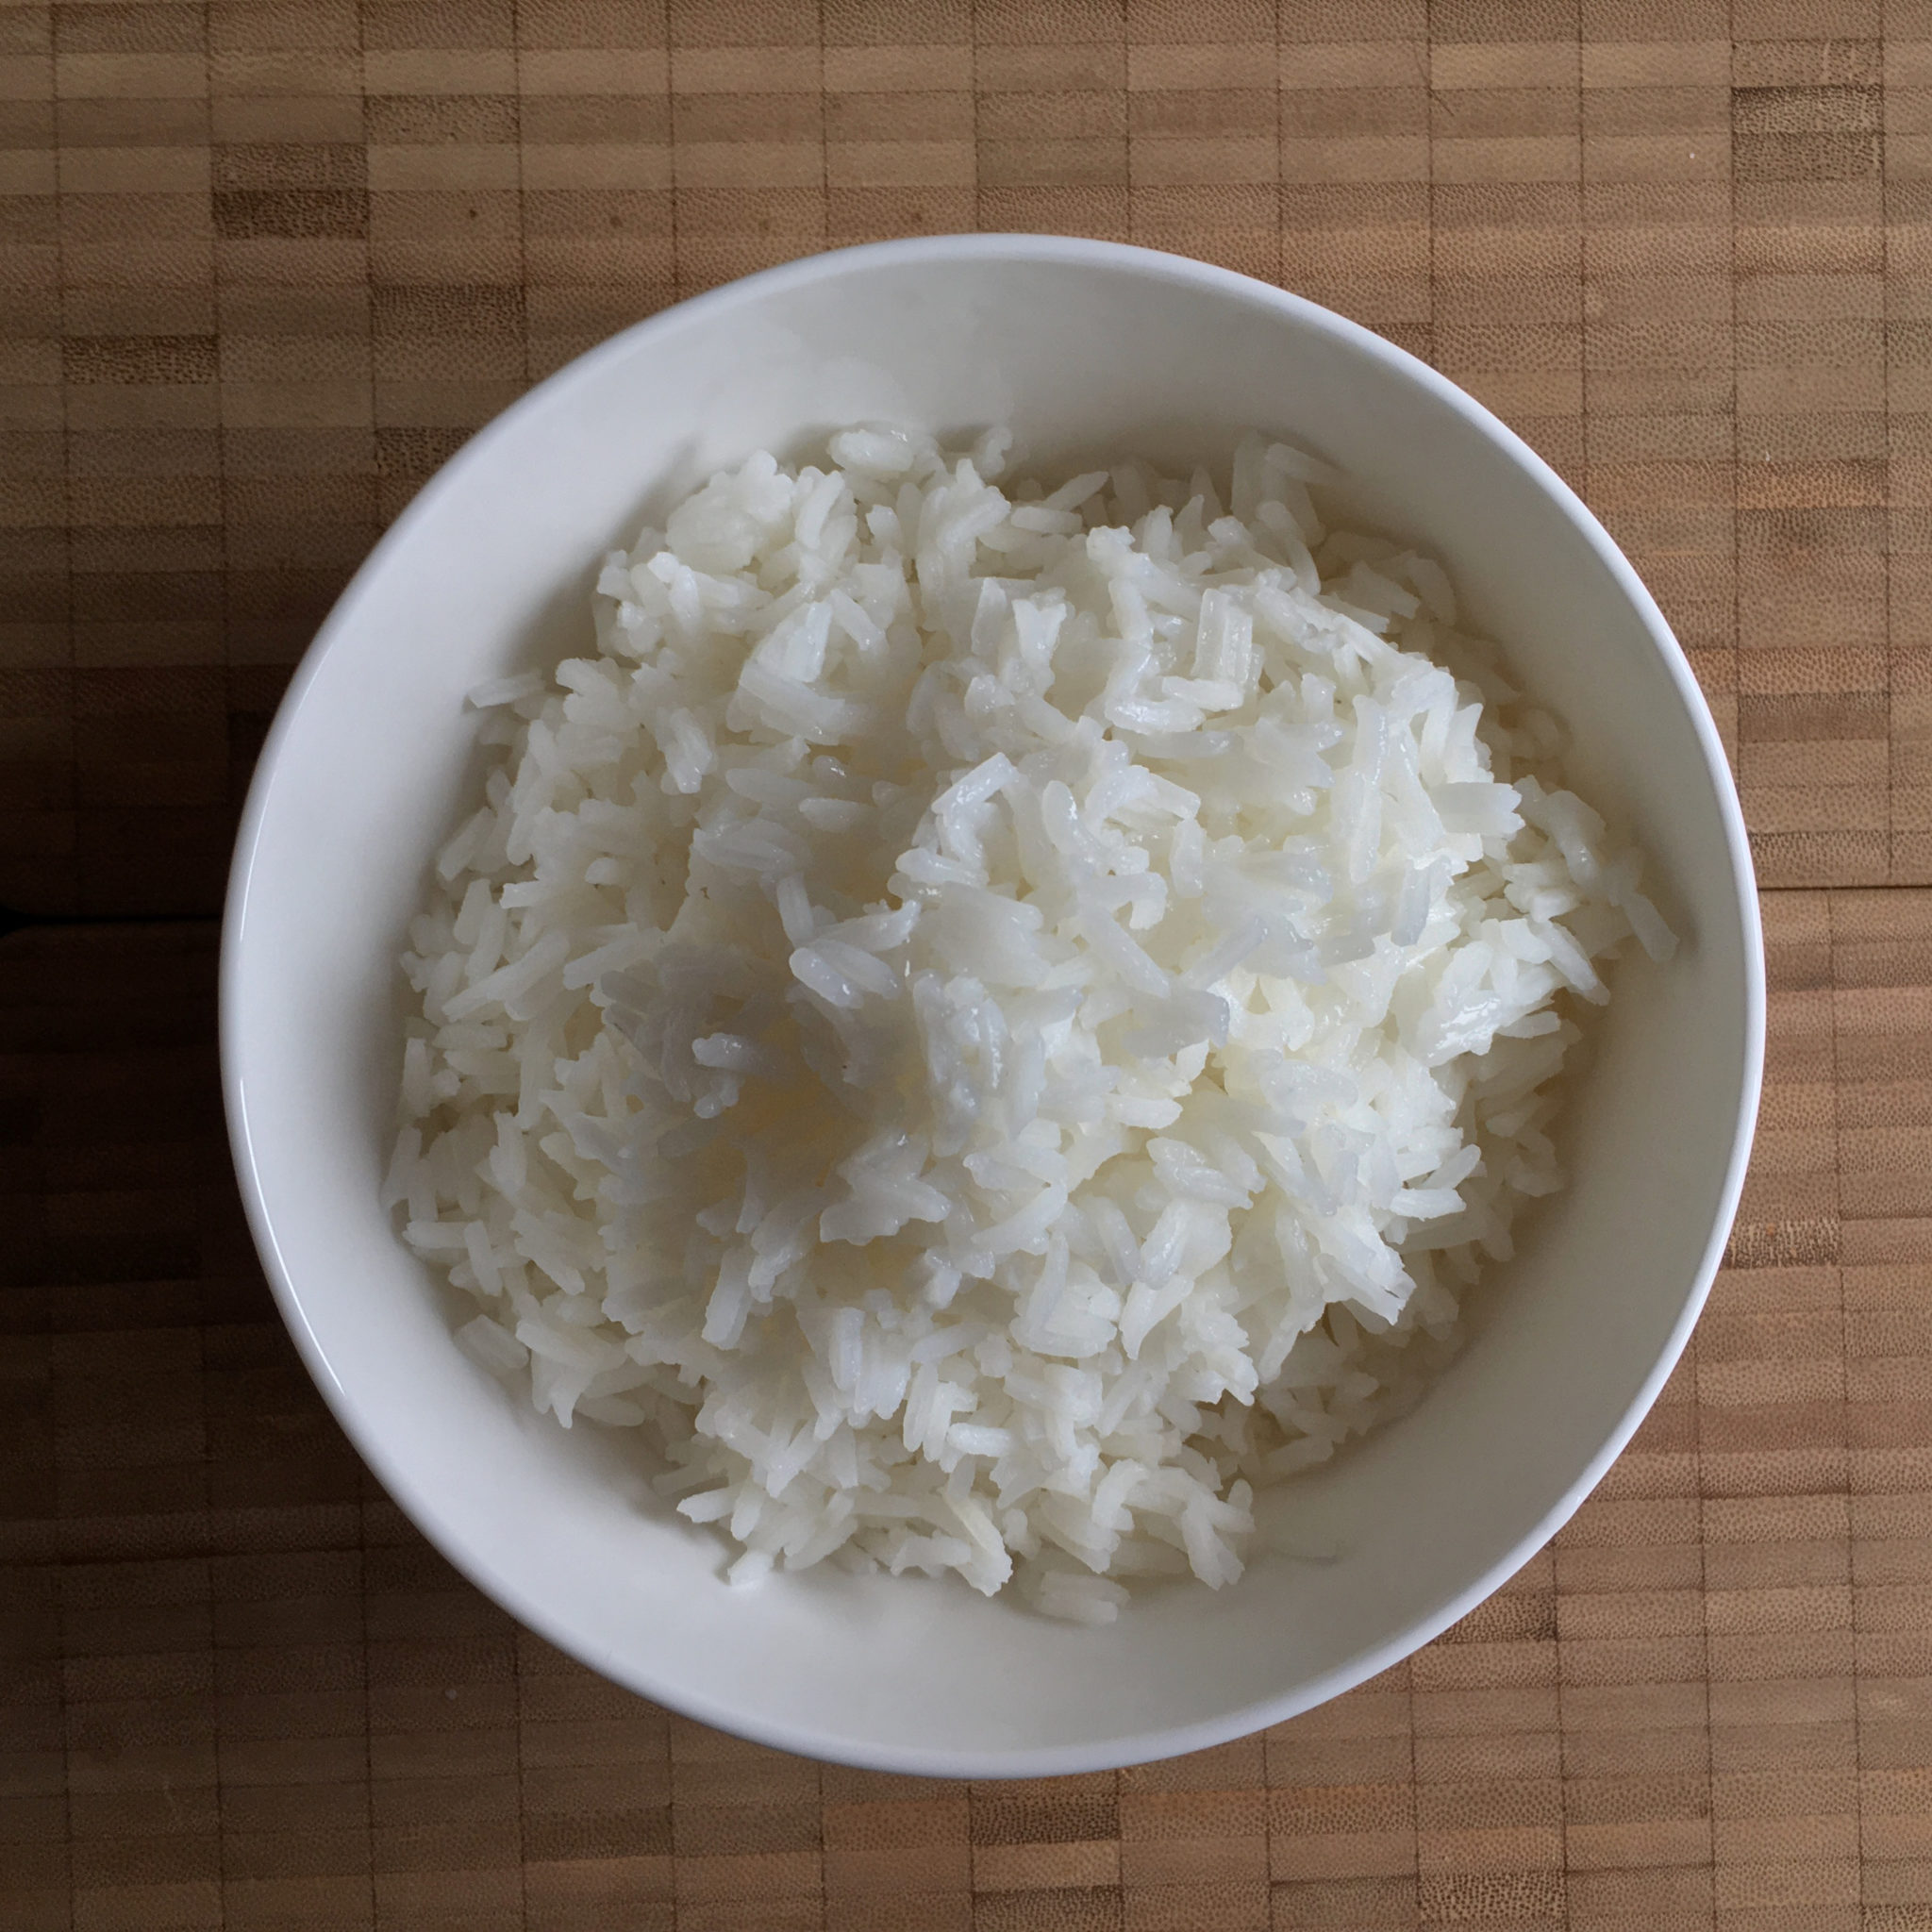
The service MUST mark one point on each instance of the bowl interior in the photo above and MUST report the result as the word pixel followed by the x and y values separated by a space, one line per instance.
pixel 1085 351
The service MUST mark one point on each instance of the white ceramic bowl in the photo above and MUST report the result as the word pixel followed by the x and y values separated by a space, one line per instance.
pixel 1084 349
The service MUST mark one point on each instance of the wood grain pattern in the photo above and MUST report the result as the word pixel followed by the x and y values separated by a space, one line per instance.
pixel 264 264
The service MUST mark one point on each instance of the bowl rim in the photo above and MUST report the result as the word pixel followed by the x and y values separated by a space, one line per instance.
pixel 364 1428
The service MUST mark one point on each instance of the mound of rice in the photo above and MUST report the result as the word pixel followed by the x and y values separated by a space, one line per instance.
pixel 993 1020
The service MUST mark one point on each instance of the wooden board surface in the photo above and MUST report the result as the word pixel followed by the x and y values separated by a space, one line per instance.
pixel 264 263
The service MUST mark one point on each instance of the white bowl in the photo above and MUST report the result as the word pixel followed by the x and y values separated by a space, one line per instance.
pixel 1084 349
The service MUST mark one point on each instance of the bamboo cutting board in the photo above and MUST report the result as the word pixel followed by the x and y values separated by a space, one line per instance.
pixel 267 262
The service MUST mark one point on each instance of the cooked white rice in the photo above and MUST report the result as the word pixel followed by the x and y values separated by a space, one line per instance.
pixel 993 1020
